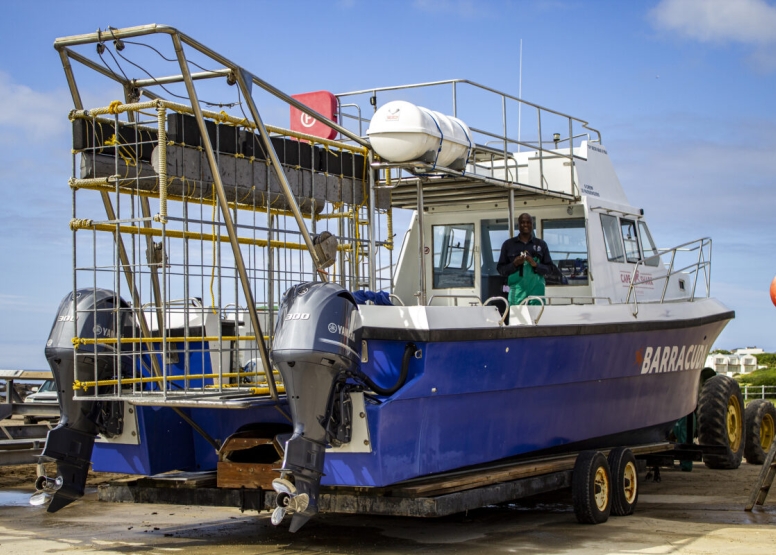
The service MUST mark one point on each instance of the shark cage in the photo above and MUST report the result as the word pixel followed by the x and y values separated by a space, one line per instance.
pixel 190 219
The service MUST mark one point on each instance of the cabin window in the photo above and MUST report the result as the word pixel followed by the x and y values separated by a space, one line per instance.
pixel 453 256
pixel 630 240
pixel 648 246
pixel 612 238
pixel 567 241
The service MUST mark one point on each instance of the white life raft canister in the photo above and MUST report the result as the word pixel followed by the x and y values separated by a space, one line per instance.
pixel 402 132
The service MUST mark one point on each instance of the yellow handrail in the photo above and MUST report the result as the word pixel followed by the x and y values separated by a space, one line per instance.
pixel 79 223
pixel 135 340
pixel 85 385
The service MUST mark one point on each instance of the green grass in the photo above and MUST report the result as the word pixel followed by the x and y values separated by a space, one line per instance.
pixel 766 376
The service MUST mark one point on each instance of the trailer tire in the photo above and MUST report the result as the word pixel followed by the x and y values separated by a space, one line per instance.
pixel 625 481
pixel 721 421
pixel 760 430
pixel 591 488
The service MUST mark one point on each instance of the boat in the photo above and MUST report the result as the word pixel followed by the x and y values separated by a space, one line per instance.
pixel 377 372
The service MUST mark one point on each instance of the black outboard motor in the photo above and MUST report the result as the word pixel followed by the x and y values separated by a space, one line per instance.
pixel 100 314
pixel 316 347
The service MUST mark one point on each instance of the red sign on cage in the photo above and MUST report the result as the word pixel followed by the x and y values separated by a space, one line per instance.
pixel 322 102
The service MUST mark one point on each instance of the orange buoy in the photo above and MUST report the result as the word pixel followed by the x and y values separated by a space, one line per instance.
pixel 773 291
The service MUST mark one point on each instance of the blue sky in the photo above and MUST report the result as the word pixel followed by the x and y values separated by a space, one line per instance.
pixel 683 91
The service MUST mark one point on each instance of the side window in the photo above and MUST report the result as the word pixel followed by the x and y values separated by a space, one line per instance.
pixel 614 251
pixel 453 256
pixel 630 240
pixel 567 242
pixel 648 246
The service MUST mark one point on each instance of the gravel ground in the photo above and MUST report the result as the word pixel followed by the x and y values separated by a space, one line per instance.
pixel 700 512
pixel 22 476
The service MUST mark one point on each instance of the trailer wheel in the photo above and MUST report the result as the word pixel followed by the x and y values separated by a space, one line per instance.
pixel 591 488
pixel 760 430
pixel 721 421
pixel 625 481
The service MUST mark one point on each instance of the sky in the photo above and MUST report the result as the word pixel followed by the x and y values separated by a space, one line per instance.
pixel 683 91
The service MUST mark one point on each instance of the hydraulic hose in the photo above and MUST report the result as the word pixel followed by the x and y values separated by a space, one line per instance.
pixel 409 352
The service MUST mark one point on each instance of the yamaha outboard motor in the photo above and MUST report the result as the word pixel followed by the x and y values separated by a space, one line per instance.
pixel 316 348
pixel 100 314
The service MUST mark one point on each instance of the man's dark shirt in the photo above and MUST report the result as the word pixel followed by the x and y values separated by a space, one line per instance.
pixel 512 248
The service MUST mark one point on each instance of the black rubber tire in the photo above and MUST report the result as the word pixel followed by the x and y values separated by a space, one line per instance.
pixel 625 481
pixel 756 412
pixel 584 486
pixel 721 421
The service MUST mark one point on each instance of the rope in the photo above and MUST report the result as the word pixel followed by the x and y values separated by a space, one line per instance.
pixel 468 138
pixel 441 138
pixel 124 152
pixel 80 223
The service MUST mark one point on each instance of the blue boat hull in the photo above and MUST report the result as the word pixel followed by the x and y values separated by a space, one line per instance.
pixel 472 402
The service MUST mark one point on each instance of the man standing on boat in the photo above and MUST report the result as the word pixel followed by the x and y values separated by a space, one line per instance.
pixel 524 261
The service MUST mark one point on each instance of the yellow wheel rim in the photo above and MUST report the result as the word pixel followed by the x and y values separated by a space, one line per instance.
pixel 767 430
pixel 734 423
pixel 601 483
pixel 630 483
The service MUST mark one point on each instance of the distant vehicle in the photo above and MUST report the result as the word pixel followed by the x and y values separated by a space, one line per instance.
pixel 46 393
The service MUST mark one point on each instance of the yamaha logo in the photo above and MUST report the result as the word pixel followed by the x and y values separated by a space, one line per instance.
pixel 341 330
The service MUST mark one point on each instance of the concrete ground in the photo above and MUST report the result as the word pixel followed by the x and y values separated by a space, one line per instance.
pixel 688 513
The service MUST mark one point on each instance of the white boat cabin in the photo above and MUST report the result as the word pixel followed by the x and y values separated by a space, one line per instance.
pixel 599 243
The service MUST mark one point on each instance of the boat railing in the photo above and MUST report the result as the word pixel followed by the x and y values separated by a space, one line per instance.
pixel 494 118
pixel 699 253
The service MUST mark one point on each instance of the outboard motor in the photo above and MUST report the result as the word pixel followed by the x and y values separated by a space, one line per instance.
pixel 316 348
pixel 100 314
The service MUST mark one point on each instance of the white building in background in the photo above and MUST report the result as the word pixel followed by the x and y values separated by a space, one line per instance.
pixel 748 351
pixel 732 364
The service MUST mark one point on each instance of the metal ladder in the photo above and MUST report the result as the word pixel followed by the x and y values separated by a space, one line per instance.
pixel 764 481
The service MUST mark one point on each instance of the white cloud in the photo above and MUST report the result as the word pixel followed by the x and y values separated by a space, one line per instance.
pixel 748 22
pixel 36 115
pixel 745 21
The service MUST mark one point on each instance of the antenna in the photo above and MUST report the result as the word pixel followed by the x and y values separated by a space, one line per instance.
pixel 520 96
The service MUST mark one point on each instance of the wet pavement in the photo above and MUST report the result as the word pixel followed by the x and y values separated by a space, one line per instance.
pixel 693 513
